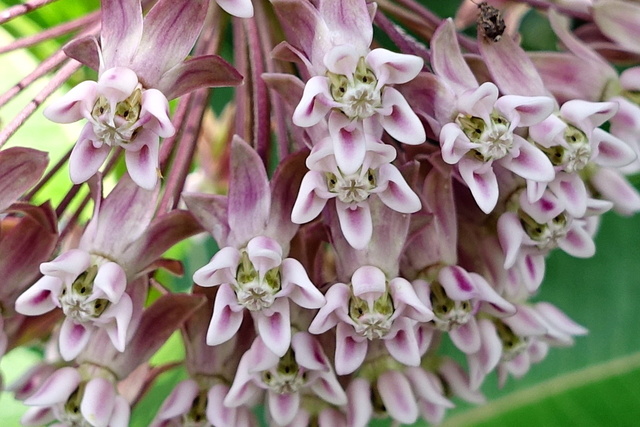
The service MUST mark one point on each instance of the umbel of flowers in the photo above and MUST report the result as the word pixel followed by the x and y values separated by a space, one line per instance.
pixel 367 198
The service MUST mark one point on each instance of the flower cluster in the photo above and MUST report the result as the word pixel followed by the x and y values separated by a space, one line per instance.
pixel 364 203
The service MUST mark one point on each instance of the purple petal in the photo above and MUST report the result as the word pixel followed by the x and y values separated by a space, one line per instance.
pixel 399 400
pixel 85 50
pixel 356 224
pixel 619 21
pixel 155 113
pixel 614 187
pixel 117 84
pixel 142 165
pixel 427 386
pixel 479 101
pixel 68 265
pixel 227 316
pixel 74 105
pixel 587 115
pixel 160 35
pixel 111 280
pixel 238 8
pixel 403 346
pixel 275 328
pixel 397 195
pixel 121 31
pixel 530 163
pixel 122 312
pixel 368 280
pixel 249 194
pixel 217 412
pixel 20 169
pixel 570 189
pixel 179 401
pixel 342 59
pixel 349 22
pixel 466 337
pixel 264 253
pixel 454 143
pixel 337 297
pixel 349 142
pixel 402 123
pixel 297 286
pixel 87 156
pixel 98 402
pixel 198 72
pixel 211 212
pixel 38 416
pixel 447 60
pixel 308 204
pixel 56 389
pixel 612 152
pixel 349 353
pixel 578 243
pixel 309 353
pixel 482 182
pixel 359 409
pixel 315 103
pixel 221 269
pixel 73 339
pixel 283 407
pixel 559 320
pixel 406 300
pixel 39 298
pixel 525 110
pixel 327 387
pixel 394 68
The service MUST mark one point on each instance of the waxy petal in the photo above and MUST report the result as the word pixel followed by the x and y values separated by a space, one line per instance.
pixel 74 105
pixel 619 21
pixel 40 298
pixel 403 346
pixel 559 320
pixel 67 266
pixel 530 162
pixel 264 253
pixel 454 143
pixel 121 31
pixel 447 60
pixel 482 182
pixel 350 353
pixel 221 269
pixel 398 398
pixel 401 122
pixel 74 337
pixel 122 312
pixel 368 280
pixel 349 142
pixel 612 185
pixel 349 22
pixel 87 155
pixel 407 302
pixel 525 110
pixel 587 115
pixel 283 406
pixel 57 388
pixel 217 412
pixel 612 152
pixel 466 337
pixel 342 60
pixel 397 195
pixel 309 204
pixel 297 286
pixel 117 84
pixel 227 316
pixel 315 103
pixel 393 68
pixel 98 402
pixel 578 243
pixel 179 401
pixel 238 8
pixel 154 113
pixel 111 279
pixel 334 311
pixel 275 328
pixel 355 223
pixel 142 165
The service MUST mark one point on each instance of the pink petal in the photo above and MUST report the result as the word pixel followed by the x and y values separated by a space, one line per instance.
pixel 559 320
pixel 349 22
pixel 217 412
pixel 454 143
pixel 457 282
pixel 349 142
pixel 154 113
pixel 283 407
pixel 397 195
pixel 614 187
pixel 111 279
pixel 121 412
pixel 525 110
pixel 511 235
pixel 337 297
pixel 87 156
pixel 427 386
pixel 159 35
pixel 479 101
pixel 238 8
pixel 359 409
pixel 612 152
pixel 179 401
pixel 122 312
pixel 349 353
pixel 619 20
pixel 399 400
pixel 275 328
pixel 570 189
pixel 74 337
pixel 315 103
pixel 74 105
pixel 308 204
pixel 587 115
pixel 327 387
pixel 401 123
pixel 342 59
pixel 98 402
pixel 447 60
pixel 356 224
pixel 403 346
pixel 117 84
pixel 530 163
pixel 227 316
pixel 482 182
pixel 466 337
pixel 578 243
pixel 499 306
pixel 264 253
pixel 393 68
pixel 142 165
pixel 221 269
pixel 368 279
pixel 39 298
pixel 406 301
pixel 56 389
pixel 67 266
pixel 121 31
pixel 38 416
pixel 309 353
pixel 297 286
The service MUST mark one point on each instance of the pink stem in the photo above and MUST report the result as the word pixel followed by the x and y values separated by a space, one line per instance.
pixel 58 80
pixel 51 33
pixel 21 9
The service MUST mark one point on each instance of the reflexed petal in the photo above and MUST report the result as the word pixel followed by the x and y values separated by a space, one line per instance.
pixel 56 389
pixel 397 195
pixel 264 253
pixel 530 163
pixel 349 22
pixel 73 338
pixel 454 143
pixel 360 409
pixel 315 103
pixel 74 105
pixel 283 407
pixel 578 243
pixel 612 152
pixel 217 413
pixel 221 269
pixel 309 353
pixel 297 286
pixel 619 20
pixel 308 204
pixel 402 123
pixel 349 353
pixel 39 298
pixel 179 401
pixel 570 189
pixel 368 279
pixel 225 321
pixel 399 401
pixel 275 328
pixel 329 389
pixel 111 279
pixel 342 59
pixel 406 301
pixel 559 320
pixel 447 60
pixel 510 234
pixel 329 315
pixel 356 224
pixel 427 386
pixel 154 113
pixel 121 31
pixel 98 402
pixel 612 185
pixel 525 110
pixel 466 337
pixel 482 182
pixel 87 156
pixel 499 306
pixel 142 165
pixel 67 266
pixel 349 142
pixel 37 416
pixel 490 352
pixel 587 115
pixel 393 68
pixel 403 346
